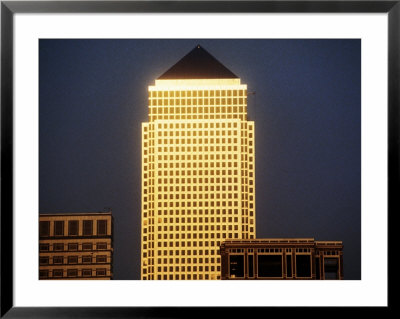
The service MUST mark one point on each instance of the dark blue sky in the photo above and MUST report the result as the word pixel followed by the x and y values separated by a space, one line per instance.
pixel 307 113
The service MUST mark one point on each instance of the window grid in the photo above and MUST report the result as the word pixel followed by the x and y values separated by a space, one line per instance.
pixel 185 166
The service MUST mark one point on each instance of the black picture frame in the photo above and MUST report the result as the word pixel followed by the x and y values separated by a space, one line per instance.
pixel 9 8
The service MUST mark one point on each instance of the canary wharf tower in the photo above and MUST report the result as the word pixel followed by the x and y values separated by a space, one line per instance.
pixel 198 182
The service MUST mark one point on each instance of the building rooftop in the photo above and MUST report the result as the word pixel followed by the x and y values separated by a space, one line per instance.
pixel 198 64
pixel 282 241
pixel 271 240
pixel 75 214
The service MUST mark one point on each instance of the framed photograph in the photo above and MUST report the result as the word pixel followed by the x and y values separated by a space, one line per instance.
pixel 200 154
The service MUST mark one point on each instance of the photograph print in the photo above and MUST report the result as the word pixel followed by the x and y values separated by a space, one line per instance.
pixel 199 159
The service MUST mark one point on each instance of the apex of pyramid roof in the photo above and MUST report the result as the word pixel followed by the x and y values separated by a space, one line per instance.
pixel 198 64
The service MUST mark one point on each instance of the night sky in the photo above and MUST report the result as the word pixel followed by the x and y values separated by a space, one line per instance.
pixel 307 113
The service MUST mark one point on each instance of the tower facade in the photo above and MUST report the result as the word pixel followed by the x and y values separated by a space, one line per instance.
pixel 198 166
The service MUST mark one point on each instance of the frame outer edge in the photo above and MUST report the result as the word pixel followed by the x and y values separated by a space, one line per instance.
pixel 393 117
pixel 6 221
pixel 206 6
pixel 7 9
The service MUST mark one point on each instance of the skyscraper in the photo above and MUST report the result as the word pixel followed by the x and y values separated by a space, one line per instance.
pixel 198 182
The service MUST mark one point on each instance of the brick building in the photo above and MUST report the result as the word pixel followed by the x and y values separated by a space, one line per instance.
pixel 76 246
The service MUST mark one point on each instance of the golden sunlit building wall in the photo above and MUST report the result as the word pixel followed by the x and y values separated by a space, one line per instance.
pixel 198 182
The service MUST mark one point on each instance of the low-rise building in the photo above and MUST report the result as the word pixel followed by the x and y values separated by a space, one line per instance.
pixel 76 246
pixel 281 258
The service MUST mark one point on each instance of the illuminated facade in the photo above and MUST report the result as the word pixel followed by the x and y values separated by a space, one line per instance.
pixel 76 246
pixel 282 258
pixel 198 182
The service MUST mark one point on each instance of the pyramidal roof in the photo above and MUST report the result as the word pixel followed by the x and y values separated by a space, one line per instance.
pixel 198 64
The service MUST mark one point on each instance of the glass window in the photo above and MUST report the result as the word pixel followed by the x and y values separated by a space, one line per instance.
pixel 236 266
pixel 57 272
pixel 87 246
pixel 101 259
pixel 269 266
pixel 73 247
pixel 86 272
pixel 72 259
pixel 101 246
pixel 58 247
pixel 87 227
pixel 303 266
pixel 44 247
pixel 59 228
pixel 288 266
pixel 72 272
pixel 251 265
pixel 331 268
pixel 86 259
pixel 73 227
pixel 43 274
pixel 317 268
pixel 58 260
pixel 101 227
pixel 44 228
pixel 44 260
pixel 100 272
